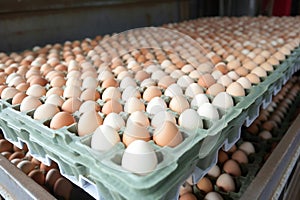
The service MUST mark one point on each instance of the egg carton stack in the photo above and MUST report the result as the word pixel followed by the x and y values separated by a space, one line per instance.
pixel 179 101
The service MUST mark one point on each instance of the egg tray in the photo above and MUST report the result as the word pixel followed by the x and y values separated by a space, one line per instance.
pixel 101 173
pixel 256 160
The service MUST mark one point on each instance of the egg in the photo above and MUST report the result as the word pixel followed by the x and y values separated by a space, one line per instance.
pixel 208 111
pixel 89 94
pixel 222 157
pixel 114 120
pixel 206 80
pixel 193 89
pixel 72 91
pixel 30 103
pixel 215 89
pixel 213 196
pixel 167 135
pixel 112 106
pixel 205 185
pixel 18 98
pixel 45 111
pixel 224 80
pixel 88 106
pixel 265 135
pixel 104 138
pixel 247 147
pixel 173 90
pixel 214 172
pixel 89 82
pixel 159 118
pixel 55 90
pixel 223 100
pixel 198 100
pixel 188 196
pixel 71 105
pixel 138 117
pixel 235 89
pixel 89 122
pixel 8 92
pixel 240 156
pixel 130 91
pixel 127 81
pixel 63 188
pixel 22 87
pixel 139 158
pixel 232 167
pixel 134 104
pixel 246 84
pixel 226 183
pixel 148 82
pixel 61 119
pixel 179 104
pixel 233 64
pixel 156 105
pixel 190 120
pixel 135 131
pixel 184 81
pixel 185 188
pixel 55 100
pixel 253 78
pixel 267 67
pixel 111 93
pixel 151 92
pixel 259 71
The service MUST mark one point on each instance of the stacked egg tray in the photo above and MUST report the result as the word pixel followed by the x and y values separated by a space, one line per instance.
pixel 101 174
pixel 263 148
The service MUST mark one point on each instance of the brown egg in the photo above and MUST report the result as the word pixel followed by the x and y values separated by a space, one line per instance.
pixel 134 104
pixel 141 75
pixel 253 78
pixel 38 176
pixel 259 71
pixel 112 106
pixel 221 67
pixel 273 61
pixel 17 154
pixel 18 98
pixel 235 89
pixel 151 92
pixel 6 154
pixel 62 188
pixel 232 167
pixel 46 168
pixel 26 166
pixel 62 119
pixel 109 83
pixel 71 105
pixel 222 156
pixel 51 177
pixel 215 89
pixel 234 64
pixel 5 146
pixel 167 135
pixel 206 80
pixel 58 81
pixel 38 81
pixel 188 196
pixel 240 156
pixel 135 131
pixel 36 91
pixel 89 122
pixel 269 125
pixel 250 65
pixel 241 71
pixel 8 92
pixel 205 185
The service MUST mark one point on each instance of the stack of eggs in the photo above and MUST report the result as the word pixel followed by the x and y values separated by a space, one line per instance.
pixel 146 84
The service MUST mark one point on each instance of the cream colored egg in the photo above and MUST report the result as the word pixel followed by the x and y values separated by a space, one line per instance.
pixel 235 89
pixel 190 120
pixel 139 158
pixel 199 99
pixel 138 117
pixel 223 100
pixel 115 121
pixel 104 138
pixel 246 84
pixel 134 104
pixel 8 92
pixel 45 111
pixel 208 111
pixel 156 105
pixel 30 103
pixel 111 93
pixel 179 104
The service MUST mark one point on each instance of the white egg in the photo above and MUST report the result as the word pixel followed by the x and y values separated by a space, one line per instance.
pixel 115 121
pixel 223 100
pixel 139 158
pixel 244 82
pixel 185 81
pixel 173 90
pixel 213 196
pixel 199 99
pixel 104 138
pixel 130 91
pixel 138 117
pixel 156 105
pixel 208 111
pixel 193 89
pixel 190 120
